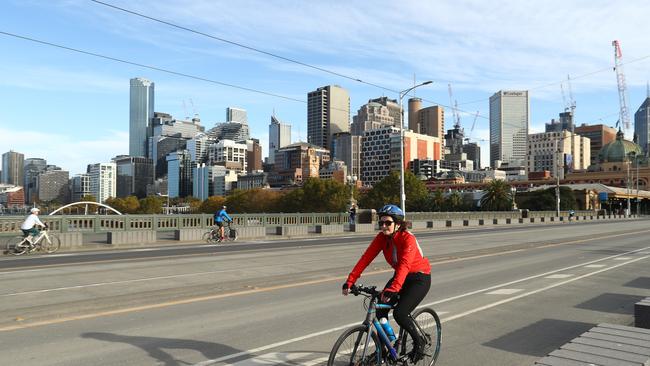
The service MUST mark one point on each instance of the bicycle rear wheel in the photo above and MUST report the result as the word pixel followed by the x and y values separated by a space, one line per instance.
pixel 348 349
pixel 430 327
pixel 210 237
pixel 51 244
pixel 17 245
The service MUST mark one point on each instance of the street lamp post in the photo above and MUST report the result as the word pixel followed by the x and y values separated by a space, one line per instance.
pixel 402 192
pixel 557 180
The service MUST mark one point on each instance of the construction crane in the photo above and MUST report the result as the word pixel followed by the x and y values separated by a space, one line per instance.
pixel 469 135
pixel 454 108
pixel 569 105
pixel 624 113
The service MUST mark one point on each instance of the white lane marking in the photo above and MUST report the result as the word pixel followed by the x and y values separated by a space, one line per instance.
pixel 595 266
pixel 143 250
pixel 643 253
pixel 113 283
pixel 61 255
pixel 23 271
pixel 622 258
pixel 327 331
pixel 558 276
pixel 504 301
pixel 505 291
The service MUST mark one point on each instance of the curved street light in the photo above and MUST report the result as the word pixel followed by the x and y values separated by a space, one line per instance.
pixel 402 94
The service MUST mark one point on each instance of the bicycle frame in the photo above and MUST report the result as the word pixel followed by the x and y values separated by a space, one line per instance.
pixel 371 320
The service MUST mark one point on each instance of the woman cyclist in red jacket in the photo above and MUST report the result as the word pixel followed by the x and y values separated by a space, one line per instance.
pixel 412 277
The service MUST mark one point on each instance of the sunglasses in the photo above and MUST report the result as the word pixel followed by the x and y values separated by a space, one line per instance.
pixel 387 223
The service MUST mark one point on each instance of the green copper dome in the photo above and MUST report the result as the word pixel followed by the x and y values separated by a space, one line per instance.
pixel 618 150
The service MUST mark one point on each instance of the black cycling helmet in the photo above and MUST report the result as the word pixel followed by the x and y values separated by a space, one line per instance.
pixel 393 211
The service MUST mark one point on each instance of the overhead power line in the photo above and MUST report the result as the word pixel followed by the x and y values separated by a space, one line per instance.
pixel 151 67
pixel 250 48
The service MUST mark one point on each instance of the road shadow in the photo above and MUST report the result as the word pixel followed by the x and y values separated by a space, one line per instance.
pixel 612 303
pixel 156 347
pixel 540 338
pixel 640 282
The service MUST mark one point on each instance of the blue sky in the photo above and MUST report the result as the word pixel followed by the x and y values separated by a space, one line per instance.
pixel 72 109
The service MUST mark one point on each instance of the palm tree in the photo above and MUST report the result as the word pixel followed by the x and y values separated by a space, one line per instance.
pixel 497 197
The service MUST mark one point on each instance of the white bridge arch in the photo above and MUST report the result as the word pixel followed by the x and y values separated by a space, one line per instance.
pixel 85 204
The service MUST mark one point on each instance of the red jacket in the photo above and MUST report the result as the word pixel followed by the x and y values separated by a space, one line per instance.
pixel 409 258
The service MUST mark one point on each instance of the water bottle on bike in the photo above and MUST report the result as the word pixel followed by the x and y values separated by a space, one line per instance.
pixel 388 329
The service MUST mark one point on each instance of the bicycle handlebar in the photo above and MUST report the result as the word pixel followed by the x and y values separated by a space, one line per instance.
pixel 357 290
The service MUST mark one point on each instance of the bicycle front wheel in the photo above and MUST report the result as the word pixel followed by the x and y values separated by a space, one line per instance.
pixel 430 328
pixel 51 244
pixel 231 234
pixel 349 348
pixel 17 245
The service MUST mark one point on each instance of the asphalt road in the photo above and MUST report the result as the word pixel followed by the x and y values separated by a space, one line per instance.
pixel 506 296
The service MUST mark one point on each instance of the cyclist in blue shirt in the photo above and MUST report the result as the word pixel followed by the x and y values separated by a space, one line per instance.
pixel 219 218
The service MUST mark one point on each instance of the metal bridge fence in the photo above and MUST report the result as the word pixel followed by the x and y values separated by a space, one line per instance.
pixel 106 223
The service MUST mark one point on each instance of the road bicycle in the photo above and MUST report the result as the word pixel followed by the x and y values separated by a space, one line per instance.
pixel 48 243
pixel 212 236
pixel 368 344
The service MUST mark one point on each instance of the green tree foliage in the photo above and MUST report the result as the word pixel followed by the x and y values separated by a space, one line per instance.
pixel 545 200
pixel 325 195
pixel 292 201
pixel 498 197
pixel 454 202
pixel 128 205
pixel 387 191
pixel 89 198
pixel 253 201
pixel 212 204
pixel 151 205
pixel 437 200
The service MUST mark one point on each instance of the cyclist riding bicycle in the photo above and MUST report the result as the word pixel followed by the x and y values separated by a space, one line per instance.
pixel 219 218
pixel 411 279
pixel 31 224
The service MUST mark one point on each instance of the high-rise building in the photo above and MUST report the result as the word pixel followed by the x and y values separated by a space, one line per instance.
pixel 565 123
pixel 140 115
pixel 279 136
pixel 80 186
pixel 641 125
pixel 549 151
pixel 228 153
pixel 235 131
pixel 328 112
pixel 103 181
pixel 415 104
pixel 33 167
pixel 373 115
pixel 179 174
pixel 203 180
pixel 169 135
pixel 347 148
pixel 473 151
pixel 253 155
pixel 431 121
pixel 53 186
pixel 134 173
pixel 236 115
pixel 599 136
pixel 12 168
pixel 198 148
pixel 509 121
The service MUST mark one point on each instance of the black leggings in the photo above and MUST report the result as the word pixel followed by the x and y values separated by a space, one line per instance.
pixel 415 288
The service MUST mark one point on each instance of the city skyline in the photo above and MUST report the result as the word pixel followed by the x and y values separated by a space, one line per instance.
pixel 73 109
